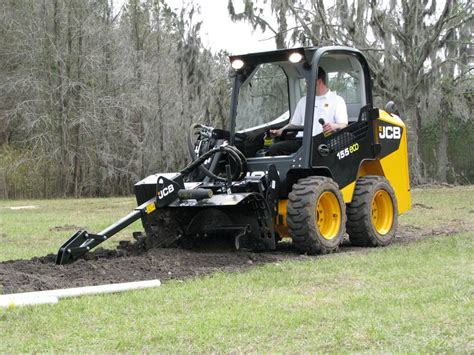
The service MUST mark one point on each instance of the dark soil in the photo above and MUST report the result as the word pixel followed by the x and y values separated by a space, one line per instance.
pixel 112 266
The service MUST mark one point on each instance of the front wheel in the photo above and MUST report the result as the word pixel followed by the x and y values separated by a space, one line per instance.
pixel 372 216
pixel 316 215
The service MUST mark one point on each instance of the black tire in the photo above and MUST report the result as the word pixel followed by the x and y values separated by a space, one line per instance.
pixel 372 216
pixel 310 231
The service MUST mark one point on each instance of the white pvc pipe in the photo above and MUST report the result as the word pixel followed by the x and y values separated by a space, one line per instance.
pixel 52 296
pixel 18 300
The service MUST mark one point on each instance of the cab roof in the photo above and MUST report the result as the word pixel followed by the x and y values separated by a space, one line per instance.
pixel 279 55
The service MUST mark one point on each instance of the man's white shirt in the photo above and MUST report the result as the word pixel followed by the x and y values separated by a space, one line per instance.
pixel 330 107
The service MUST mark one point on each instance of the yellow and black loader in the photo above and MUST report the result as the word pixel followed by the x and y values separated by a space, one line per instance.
pixel 354 180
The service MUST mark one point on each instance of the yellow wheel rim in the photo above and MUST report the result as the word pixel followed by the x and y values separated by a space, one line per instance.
pixel 382 212
pixel 328 215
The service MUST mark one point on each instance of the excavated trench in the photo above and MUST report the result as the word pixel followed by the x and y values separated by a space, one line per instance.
pixel 113 266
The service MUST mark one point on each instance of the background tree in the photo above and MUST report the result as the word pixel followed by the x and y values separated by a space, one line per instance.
pixel 95 98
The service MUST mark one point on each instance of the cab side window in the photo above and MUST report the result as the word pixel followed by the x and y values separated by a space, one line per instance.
pixel 346 85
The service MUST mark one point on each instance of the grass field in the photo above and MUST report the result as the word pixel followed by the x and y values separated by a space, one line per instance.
pixel 414 297
pixel 37 231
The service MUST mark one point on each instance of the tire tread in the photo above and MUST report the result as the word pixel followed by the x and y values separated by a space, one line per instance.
pixel 359 222
pixel 301 224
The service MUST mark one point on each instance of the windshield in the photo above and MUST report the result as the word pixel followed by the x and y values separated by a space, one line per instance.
pixel 263 98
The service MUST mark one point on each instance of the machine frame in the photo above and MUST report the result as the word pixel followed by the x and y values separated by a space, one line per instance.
pixel 260 205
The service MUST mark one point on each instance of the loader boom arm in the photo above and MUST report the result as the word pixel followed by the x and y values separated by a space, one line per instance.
pixel 82 241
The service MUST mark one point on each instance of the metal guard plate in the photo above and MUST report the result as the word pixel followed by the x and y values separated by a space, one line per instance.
pixel 216 200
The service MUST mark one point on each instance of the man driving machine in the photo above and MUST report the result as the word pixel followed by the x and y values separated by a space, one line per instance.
pixel 330 114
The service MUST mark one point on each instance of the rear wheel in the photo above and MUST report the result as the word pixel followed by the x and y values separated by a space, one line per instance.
pixel 316 215
pixel 372 216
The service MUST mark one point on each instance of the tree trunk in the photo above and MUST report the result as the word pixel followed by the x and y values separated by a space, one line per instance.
pixel 59 100
pixel 77 127
pixel 415 161
pixel 442 149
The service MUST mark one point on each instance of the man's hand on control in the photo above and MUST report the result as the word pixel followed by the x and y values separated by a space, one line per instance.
pixel 276 132
pixel 332 127
pixel 329 127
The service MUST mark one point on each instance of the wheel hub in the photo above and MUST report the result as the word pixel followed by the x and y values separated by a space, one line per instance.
pixel 382 212
pixel 328 215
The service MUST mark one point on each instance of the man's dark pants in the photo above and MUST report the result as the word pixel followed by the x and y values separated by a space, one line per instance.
pixel 284 147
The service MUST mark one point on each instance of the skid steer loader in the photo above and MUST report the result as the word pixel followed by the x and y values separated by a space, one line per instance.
pixel 354 180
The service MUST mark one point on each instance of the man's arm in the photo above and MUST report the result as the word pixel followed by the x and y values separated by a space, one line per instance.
pixel 278 132
pixel 296 121
pixel 340 116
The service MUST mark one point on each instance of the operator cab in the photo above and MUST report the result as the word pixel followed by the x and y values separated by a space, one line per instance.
pixel 269 85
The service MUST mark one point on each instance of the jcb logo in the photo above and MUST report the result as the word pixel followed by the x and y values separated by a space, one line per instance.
pixel 165 191
pixel 390 132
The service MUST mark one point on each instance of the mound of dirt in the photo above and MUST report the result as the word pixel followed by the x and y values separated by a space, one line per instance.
pixel 43 274
pixel 112 266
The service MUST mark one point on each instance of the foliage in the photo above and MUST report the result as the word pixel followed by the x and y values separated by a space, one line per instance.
pixel 94 98
pixel 104 97
pixel 22 172
pixel 460 167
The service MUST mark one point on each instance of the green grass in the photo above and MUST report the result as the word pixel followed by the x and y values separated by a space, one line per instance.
pixel 414 297
pixel 26 233
pixel 436 207
pixel 405 298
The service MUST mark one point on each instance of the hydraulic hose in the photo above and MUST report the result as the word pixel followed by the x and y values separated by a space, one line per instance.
pixel 230 151
pixel 193 154
pixel 234 154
